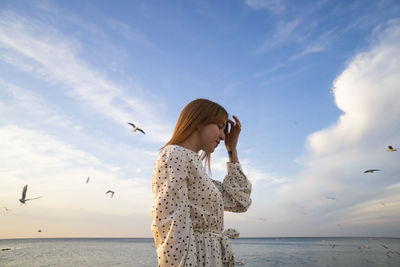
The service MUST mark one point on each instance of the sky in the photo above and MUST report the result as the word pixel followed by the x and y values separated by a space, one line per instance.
pixel 315 84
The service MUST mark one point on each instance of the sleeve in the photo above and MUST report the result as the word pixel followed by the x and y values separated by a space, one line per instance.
pixel 235 189
pixel 172 228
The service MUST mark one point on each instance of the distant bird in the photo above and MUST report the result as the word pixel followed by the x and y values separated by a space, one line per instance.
pixel 384 246
pixel 23 198
pixel 371 170
pixel 391 149
pixel 110 191
pixel 263 219
pixel 387 253
pixel 87 180
pixel 136 128
pixel 7 209
pixel 39 231
pixel 331 198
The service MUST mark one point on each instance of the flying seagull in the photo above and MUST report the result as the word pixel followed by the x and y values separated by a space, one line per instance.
pixel 331 198
pixel 135 128
pixel 23 198
pixel 87 180
pixel 109 191
pixel 371 170
pixel 263 219
pixel 391 149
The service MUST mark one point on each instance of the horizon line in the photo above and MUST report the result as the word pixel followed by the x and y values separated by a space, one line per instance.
pixel 246 237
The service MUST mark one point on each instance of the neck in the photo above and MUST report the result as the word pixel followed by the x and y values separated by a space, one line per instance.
pixel 191 143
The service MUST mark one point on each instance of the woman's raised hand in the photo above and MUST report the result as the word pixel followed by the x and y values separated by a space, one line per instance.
pixel 232 135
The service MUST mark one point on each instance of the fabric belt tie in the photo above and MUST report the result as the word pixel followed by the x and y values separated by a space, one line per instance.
pixel 227 252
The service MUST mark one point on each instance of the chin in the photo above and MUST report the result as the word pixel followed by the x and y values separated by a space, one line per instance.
pixel 209 151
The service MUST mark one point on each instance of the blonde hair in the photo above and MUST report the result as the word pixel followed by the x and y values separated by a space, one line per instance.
pixel 196 114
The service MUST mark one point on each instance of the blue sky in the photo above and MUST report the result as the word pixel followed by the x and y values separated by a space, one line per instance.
pixel 73 74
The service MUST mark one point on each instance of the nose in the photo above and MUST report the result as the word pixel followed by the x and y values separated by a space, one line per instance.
pixel 222 135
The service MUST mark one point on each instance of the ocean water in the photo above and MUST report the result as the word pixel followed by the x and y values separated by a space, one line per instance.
pixel 248 252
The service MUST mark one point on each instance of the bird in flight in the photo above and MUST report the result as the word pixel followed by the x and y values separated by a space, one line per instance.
pixel 391 149
pixel 331 198
pixel 371 170
pixel 136 128
pixel 110 191
pixel 23 198
pixel 263 219
pixel 7 209
pixel 87 180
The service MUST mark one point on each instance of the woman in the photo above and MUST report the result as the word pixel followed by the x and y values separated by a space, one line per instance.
pixel 188 206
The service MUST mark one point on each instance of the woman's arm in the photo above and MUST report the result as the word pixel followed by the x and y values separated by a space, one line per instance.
pixel 172 228
pixel 231 139
pixel 235 189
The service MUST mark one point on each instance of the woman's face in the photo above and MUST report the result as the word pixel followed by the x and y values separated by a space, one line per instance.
pixel 211 135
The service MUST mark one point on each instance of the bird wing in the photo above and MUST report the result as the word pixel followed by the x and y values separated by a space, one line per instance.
pixel 109 191
pixel 24 192
pixel 384 246
pixel 87 180
pixel 141 131
pixel 131 124
pixel 32 198
pixel 371 170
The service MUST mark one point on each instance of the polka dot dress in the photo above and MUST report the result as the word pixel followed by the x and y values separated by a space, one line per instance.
pixel 188 209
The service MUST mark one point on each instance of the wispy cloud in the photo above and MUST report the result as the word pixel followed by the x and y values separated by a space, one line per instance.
pixel 275 6
pixel 299 31
pixel 319 45
pixel 21 101
pixel 58 56
pixel 131 34
pixel 284 33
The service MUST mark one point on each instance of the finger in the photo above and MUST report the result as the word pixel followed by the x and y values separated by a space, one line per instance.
pixel 229 124
pixel 237 121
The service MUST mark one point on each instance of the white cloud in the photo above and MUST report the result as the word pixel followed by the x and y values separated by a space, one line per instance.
pixel 368 93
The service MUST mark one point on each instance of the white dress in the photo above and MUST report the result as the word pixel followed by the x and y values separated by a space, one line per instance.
pixel 188 209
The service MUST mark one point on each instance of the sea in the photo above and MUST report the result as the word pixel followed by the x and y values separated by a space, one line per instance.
pixel 315 251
